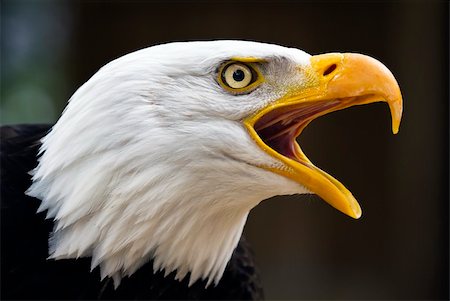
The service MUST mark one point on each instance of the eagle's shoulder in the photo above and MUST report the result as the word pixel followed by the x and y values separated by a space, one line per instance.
pixel 240 281
pixel 18 153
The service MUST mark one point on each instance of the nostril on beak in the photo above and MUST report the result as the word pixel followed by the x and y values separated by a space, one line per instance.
pixel 330 69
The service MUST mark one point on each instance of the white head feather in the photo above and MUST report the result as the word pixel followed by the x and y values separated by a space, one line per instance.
pixel 150 160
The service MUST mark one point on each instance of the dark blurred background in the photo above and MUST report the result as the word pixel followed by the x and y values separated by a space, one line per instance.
pixel 305 249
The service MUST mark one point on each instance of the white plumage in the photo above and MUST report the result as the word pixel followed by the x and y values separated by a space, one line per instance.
pixel 150 159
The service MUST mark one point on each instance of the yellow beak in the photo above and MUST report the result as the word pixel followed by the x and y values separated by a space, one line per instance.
pixel 334 81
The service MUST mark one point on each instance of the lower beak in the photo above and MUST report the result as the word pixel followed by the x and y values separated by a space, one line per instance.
pixel 336 81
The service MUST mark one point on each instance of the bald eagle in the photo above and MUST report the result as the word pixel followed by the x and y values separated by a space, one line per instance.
pixel 154 165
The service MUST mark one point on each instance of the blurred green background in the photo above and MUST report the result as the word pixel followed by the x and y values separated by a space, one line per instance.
pixel 305 249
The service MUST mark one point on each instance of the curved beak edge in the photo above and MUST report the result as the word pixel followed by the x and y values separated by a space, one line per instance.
pixel 352 79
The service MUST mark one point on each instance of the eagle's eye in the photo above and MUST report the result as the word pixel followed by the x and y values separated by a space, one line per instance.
pixel 238 77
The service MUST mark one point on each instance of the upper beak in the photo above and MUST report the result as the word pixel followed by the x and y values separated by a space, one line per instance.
pixel 359 75
pixel 335 81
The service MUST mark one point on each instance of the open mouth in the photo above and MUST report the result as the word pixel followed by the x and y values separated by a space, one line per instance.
pixel 279 128
pixel 354 79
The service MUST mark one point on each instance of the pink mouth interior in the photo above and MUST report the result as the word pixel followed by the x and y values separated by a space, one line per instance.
pixel 279 128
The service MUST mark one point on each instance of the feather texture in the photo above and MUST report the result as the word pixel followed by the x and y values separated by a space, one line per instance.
pixel 26 274
pixel 150 160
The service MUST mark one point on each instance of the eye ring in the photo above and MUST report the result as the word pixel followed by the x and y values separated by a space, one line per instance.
pixel 238 77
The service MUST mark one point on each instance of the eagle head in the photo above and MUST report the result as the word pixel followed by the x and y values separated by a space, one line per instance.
pixel 164 151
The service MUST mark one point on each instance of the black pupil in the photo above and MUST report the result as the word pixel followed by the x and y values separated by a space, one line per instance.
pixel 238 75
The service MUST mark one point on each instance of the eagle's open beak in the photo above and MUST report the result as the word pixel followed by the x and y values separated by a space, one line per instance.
pixel 334 81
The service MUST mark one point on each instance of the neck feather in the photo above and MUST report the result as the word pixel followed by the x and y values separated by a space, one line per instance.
pixel 187 216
